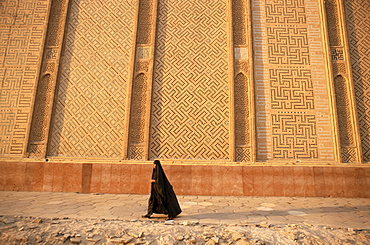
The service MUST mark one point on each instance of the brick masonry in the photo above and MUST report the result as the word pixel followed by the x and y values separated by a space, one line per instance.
pixel 214 180
pixel 91 88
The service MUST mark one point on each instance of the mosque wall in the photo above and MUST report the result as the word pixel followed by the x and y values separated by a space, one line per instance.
pixel 191 104
pixel 93 85
pixel 91 103
pixel 23 30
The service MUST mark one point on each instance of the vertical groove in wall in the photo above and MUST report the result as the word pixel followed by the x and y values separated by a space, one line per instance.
pixel 242 71
pixel 140 95
pixel 343 92
pixel 47 81
pixel 357 22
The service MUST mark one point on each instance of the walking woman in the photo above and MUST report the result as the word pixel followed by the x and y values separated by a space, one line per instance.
pixel 162 198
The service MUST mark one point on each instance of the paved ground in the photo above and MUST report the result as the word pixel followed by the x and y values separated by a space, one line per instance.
pixel 334 212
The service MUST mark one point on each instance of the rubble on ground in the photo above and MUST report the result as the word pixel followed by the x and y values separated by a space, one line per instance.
pixel 31 230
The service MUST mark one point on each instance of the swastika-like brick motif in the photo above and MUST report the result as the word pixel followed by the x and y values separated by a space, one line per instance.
pixel 294 136
pixel 91 104
pixel 136 152
pixel 292 98
pixel 22 31
pixel 288 45
pixel 291 89
pixel 243 154
pixel 349 155
pixel 287 12
pixel 190 110
pixel 337 54
pixel 358 22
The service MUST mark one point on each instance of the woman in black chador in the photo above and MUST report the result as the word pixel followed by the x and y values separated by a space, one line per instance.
pixel 162 197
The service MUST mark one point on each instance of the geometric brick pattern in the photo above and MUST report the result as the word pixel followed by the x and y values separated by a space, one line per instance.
pixel 137 124
pixel 332 16
pixel 342 83
pixel 336 54
pixel 168 94
pixel 142 82
pixel 344 117
pixel 22 31
pixel 239 22
pixel 242 115
pixel 285 12
pixel 349 155
pixel 344 120
pixel 288 45
pixel 45 93
pixel 243 81
pixel 294 136
pixel 145 21
pixel 291 89
pixel 191 104
pixel 358 22
pixel 289 76
pixel 243 154
pixel 91 101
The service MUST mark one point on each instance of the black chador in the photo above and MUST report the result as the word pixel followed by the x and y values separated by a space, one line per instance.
pixel 162 197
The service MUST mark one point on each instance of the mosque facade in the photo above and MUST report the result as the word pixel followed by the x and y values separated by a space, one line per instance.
pixel 266 97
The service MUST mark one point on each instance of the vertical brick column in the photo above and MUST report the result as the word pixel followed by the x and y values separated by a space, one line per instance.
pixel 243 82
pixel 357 22
pixel 142 81
pixel 350 143
pixel 47 81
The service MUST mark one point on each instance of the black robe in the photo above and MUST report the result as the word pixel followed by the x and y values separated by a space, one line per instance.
pixel 162 197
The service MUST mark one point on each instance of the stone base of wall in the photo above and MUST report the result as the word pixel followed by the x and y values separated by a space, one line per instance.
pixel 222 179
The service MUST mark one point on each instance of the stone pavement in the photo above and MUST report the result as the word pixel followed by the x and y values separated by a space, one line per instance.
pixel 332 212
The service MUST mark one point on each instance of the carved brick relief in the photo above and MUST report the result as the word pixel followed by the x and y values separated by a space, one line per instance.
pixel 344 116
pixel 294 136
pixel 191 104
pixel 147 15
pixel 91 102
pixel 287 46
pixel 141 84
pixel 47 82
pixel 242 116
pixel 291 89
pixel 342 83
pixel 290 77
pixel 358 22
pixel 23 27
pixel 138 117
pixel 240 14
pixel 243 80
pixel 40 116
pixel 332 16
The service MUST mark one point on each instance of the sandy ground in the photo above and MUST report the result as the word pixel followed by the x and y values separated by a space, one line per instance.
pixel 32 230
